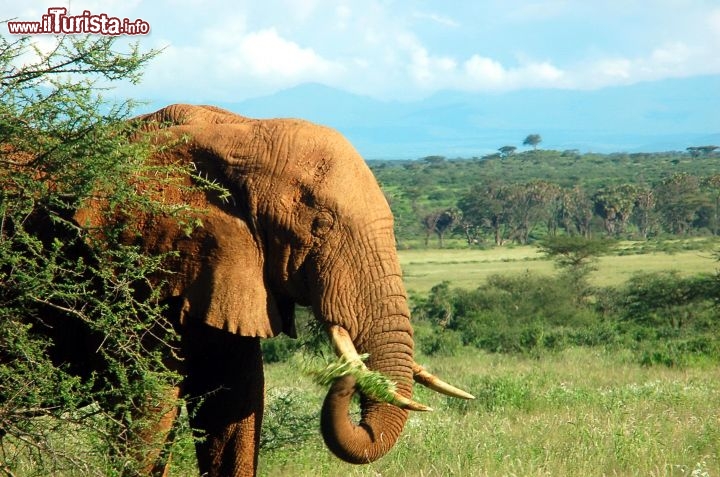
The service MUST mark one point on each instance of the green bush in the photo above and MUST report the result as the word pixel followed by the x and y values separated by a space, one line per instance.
pixel 513 314
pixel 666 299
pixel 663 353
pixel 600 333
pixel 663 318
pixel 289 419
pixel 440 342
pixel 679 352
pixel 279 349
pixel 66 292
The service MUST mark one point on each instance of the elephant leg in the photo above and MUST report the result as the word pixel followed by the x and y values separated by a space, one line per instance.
pixel 157 434
pixel 225 392
pixel 160 412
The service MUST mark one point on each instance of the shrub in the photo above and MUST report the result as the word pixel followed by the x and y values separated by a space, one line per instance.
pixel 279 349
pixel 441 342
pixel 666 299
pixel 662 317
pixel 289 419
pixel 679 352
pixel 508 314
pixel 62 145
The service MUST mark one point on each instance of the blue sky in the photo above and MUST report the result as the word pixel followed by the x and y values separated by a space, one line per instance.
pixel 228 51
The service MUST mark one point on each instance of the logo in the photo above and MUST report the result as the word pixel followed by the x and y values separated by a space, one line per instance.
pixel 58 22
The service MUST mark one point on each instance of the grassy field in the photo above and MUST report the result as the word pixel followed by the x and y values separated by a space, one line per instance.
pixel 582 412
pixel 577 412
pixel 469 268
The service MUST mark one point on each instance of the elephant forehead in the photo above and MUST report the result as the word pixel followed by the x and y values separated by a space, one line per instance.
pixel 344 195
pixel 353 195
pixel 289 161
pixel 318 167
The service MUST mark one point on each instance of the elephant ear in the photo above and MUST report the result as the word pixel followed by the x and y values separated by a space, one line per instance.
pixel 229 290
pixel 222 275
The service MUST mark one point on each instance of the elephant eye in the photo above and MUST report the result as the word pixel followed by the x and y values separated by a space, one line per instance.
pixel 322 223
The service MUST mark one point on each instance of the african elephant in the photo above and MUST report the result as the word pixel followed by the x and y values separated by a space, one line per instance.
pixel 306 224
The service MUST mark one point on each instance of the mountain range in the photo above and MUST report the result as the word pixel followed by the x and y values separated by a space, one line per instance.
pixel 645 117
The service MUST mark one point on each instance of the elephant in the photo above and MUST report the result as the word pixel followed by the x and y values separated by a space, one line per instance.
pixel 305 224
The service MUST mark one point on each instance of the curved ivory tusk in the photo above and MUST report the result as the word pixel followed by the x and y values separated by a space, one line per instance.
pixel 422 376
pixel 409 404
pixel 343 344
pixel 345 348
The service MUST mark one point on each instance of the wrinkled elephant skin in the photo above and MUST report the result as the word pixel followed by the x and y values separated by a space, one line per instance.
pixel 306 224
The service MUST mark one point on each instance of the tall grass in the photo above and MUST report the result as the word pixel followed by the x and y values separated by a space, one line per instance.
pixel 579 412
pixel 562 409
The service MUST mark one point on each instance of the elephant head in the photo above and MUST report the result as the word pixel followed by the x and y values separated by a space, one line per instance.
pixel 306 223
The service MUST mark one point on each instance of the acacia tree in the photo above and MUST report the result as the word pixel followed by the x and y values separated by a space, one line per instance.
pixel 699 151
pixel 678 201
pixel 529 204
pixel 576 211
pixel 712 185
pixel 644 216
pixel 62 145
pixel 507 151
pixel 615 206
pixel 485 206
pixel 440 222
pixel 532 140
pixel 576 256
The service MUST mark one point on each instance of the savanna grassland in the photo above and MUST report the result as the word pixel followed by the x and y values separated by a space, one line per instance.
pixel 583 411
pixel 424 268
pixel 598 395
pixel 603 366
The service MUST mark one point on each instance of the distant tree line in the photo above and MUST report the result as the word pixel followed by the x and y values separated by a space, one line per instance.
pixel 498 199
pixel 681 204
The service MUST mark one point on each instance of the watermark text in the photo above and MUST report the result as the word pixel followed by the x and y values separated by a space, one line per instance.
pixel 58 22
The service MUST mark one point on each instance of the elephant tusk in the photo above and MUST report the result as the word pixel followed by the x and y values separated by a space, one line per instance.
pixel 422 376
pixel 409 404
pixel 345 348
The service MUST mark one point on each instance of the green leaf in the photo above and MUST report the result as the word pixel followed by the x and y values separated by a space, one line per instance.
pixel 369 383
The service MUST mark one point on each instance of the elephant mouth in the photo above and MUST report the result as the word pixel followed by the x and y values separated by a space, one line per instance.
pixel 345 349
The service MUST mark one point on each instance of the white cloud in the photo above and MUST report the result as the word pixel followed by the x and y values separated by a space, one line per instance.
pixel 485 71
pixel 428 70
pixel 439 19
pixel 268 54
pixel 229 62
pixel 675 54
pixel 391 50
pixel 613 69
pixel 543 72
pixel 670 60
pixel 488 74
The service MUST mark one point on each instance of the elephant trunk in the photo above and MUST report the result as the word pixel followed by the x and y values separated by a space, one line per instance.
pixel 366 311
pixel 390 348
pixel 370 439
